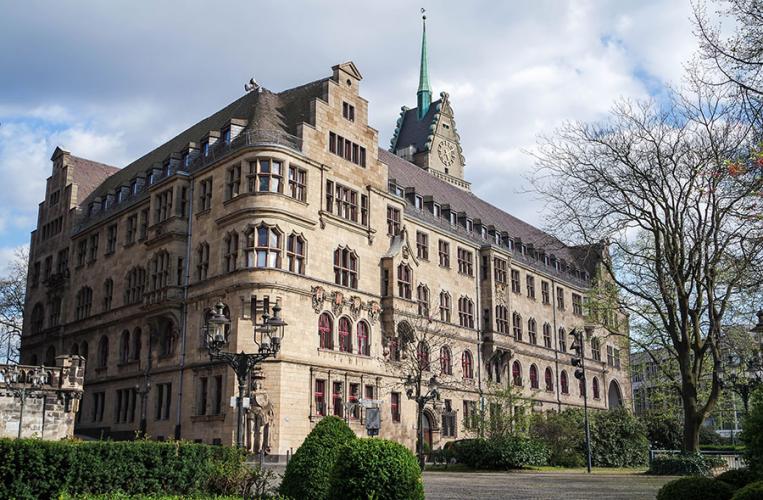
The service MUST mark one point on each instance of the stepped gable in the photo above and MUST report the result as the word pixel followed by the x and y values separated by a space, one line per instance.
pixel 407 174
pixel 88 174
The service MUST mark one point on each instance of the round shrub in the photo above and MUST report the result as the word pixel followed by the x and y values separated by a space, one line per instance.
pixel 308 474
pixel 753 491
pixel 737 478
pixel 618 439
pixel 692 488
pixel 378 469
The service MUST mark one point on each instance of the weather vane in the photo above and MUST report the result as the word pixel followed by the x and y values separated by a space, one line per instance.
pixel 423 13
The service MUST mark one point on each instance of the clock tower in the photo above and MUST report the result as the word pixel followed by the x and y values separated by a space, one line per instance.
pixel 426 135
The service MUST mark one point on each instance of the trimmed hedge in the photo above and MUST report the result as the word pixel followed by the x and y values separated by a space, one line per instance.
pixel 378 469
pixel 308 475
pixel 501 453
pixel 738 478
pixel 693 488
pixel 753 491
pixel 32 468
pixel 684 464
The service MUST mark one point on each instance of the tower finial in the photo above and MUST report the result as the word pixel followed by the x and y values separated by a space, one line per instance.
pixel 424 94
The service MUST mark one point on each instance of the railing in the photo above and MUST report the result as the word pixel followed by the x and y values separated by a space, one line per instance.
pixel 734 460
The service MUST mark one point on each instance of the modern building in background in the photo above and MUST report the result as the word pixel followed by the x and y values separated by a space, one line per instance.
pixel 287 195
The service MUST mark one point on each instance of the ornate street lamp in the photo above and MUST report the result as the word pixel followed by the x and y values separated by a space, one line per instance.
pixel 413 390
pixel 21 387
pixel 268 336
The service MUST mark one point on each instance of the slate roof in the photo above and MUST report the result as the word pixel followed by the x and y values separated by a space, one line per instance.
pixel 88 174
pixel 411 130
pixel 408 175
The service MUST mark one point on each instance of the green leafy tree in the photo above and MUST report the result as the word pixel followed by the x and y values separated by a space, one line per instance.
pixel 563 434
pixel 618 439
pixel 752 433
pixel 505 412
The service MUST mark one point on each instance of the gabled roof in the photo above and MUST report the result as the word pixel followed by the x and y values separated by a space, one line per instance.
pixel 411 130
pixel 88 174
pixel 408 175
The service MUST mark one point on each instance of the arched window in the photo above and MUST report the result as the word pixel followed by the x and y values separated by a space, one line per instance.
pixel 581 387
pixel 84 349
pixel 547 342
pixel 532 333
pixel 446 365
pixel 84 301
pixel 422 297
pixel 549 379
pixel 50 356
pixel 516 322
pixel 467 365
pixel 502 319
pixel 466 312
pixel 564 382
pixel 295 253
pixel 74 350
pixel 108 293
pixel 137 342
pixel 345 335
pixel 533 376
pixel 230 251
pixel 124 347
pixel 422 355
pixel 160 270
pixel 167 339
pixel 364 346
pixel 54 313
pixel 404 281
pixel 562 339
pixel 345 267
pixel 134 285
pixel 445 306
pixel 516 373
pixel 325 331
pixel 38 318
pixel 103 352
pixel 595 387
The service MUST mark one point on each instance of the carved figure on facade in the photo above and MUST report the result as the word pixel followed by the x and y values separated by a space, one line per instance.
pixel 356 306
pixel 500 293
pixel 319 296
pixel 374 311
pixel 337 302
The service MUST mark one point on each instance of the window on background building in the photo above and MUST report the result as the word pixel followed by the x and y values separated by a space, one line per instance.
pixel 320 397
pixel 532 332
pixel 466 312
pixel 562 339
pixel 298 183
pixel 348 111
pixel 202 394
pixel 443 251
pixel 545 292
pixel 422 299
pixel 62 264
pixel 617 358
pixel 345 335
pixel 102 359
pixel 516 323
pixel 467 365
pixel 111 239
pixel 353 399
pixel 465 262
pixel 422 356
pixel 337 399
pixel 136 344
pixel 547 341
pixel 135 283
pixel 108 293
pixel 610 356
pixel 515 287
pixel 163 210
pixel 404 281
pixel 295 253
pixel 393 220
pixel 577 304
pixel 446 364
pixel 530 286
pixel 230 246
pixel 55 312
pixel 99 402
pixel 516 374
pixel 549 379
pixel 325 331
pixel 163 401
pixel 394 405
pixel 232 182
pixel 422 245
pixel 502 319
pixel 202 261
pixel 595 388
pixel 84 302
pixel 448 420
pixel 564 383
pixel 445 307
pixel 500 267
pixel 347 149
pixel 205 194
pixel 93 247
pixel 533 377
pixel 346 268
pixel 38 318
pixel 560 298
pixel 364 345
pixel 124 347
pixel 263 247
pixel 596 349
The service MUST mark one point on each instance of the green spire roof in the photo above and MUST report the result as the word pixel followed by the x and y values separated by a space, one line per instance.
pixel 424 94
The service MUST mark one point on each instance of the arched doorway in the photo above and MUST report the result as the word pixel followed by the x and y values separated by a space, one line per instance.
pixel 426 426
pixel 614 395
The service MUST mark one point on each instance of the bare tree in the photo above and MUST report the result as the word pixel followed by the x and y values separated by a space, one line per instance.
pixel 653 183
pixel 12 297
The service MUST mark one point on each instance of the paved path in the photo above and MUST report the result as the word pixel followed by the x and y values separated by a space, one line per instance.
pixel 539 485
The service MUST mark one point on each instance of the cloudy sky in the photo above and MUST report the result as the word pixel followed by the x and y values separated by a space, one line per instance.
pixel 111 80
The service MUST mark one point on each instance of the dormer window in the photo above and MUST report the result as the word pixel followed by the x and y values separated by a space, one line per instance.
pixel 167 169
pixel 91 208
pixel 510 244
pixel 226 136
pixel 348 111
pixel 437 210
pixel 186 159
pixel 524 250
pixel 205 148
pixel 497 237
pixel 453 219
pixel 418 202
pixel 483 232
pixel 120 195
pixel 469 225
pixel 134 186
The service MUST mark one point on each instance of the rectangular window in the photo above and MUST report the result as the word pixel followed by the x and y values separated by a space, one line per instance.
pixel 205 194
pixel 393 220
pixel 35 275
pixel 443 249
pixel 81 252
pixel 163 208
pixel 394 406
pixel 266 176
pixel 54 197
pixel 163 401
pixel 530 286
pixel 201 397
pixel 560 298
pixel 545 292
pixel 369 391
pixel 515 285
pixel 132 229
pixel 99 401
pixel 437 210
pixel 233 182
pixel 353 398
pixel 320 397
pixel 93 254
pixel 344 148
pixel 217 400
pixel 297 183
pixel 48 269
pixel 610 356
pixel 500 267
pixel 111 239
pixel 364 210
pixel 577 304
pixel 422 245
pixel 448 420
pixel 348 111
pixel 465 262
pixel 63 261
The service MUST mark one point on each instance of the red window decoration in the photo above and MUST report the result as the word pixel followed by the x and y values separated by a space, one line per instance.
pixel 565 383
pixel 325 333
pixel 320 397
pixel 363 344
pixel 516 373
pixel 336 399
pixel 422 354
pixel 394 405
pixel 549 376
pixel 445 362
pixel 345 335
pixel 467 366
pixel 595 388
pixel 533 376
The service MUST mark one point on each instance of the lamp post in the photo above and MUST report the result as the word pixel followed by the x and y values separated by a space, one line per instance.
pixel 413 390
pixel 579 364
pixel 22 388
pixel 267 335
pixel 143 389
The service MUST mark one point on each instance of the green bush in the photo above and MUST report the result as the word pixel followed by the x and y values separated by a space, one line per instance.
pixel 511 452
pixel 684 464
pixel 708 436
pixel 378 469
pixel 736 448
pixel 752 433
pixel 43 469
pixel 564 436
pixel 753 491
pixel 618 439
pixel 693 488
pixel 737 478
pixel 308 474
pixel 663 430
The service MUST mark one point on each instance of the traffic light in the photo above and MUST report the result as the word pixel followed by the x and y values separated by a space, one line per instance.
pixel 577 347
pixel 579 374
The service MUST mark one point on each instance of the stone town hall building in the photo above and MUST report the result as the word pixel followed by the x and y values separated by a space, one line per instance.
pixel 288 195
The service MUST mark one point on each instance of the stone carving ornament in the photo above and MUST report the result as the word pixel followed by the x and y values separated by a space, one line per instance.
pixel 319 296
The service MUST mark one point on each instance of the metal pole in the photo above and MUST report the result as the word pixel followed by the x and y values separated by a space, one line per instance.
pixel 240 409
pixel 420 432
pixel 21 410
pixel 585 408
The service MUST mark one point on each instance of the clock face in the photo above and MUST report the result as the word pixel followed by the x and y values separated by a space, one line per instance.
pixel 447 153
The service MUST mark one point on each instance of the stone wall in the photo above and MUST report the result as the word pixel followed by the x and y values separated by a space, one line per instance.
pixel 41 401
